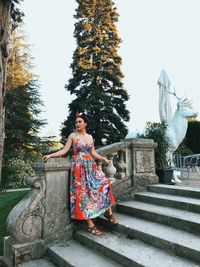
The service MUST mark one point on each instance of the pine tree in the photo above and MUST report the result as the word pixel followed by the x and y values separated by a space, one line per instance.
pixel 23 102
pixel 97 77
pixel 19 70
pixel 23 105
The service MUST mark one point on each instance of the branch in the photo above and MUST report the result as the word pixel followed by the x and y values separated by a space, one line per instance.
pixel 174 93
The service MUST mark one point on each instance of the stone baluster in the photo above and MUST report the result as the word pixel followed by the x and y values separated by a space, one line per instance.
pixel 110 171
pixel 121 165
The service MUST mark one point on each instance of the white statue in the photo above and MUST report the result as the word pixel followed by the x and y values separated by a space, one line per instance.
pixel 177 128
pixel 177 125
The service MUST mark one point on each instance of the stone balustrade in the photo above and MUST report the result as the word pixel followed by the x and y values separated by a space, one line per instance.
pixel 43 215
pixel 133 166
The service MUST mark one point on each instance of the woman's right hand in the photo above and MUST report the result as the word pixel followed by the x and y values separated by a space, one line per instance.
pixel 46 157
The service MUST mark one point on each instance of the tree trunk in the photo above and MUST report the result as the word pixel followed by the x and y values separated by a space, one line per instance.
pixel 5 12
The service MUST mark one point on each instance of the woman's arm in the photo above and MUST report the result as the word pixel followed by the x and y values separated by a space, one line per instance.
pixel 61 152
pixel 96 156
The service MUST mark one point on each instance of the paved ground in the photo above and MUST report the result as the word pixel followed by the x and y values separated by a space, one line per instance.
pixel 190 183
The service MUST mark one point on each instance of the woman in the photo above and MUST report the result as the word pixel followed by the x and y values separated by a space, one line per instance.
pixel 90 191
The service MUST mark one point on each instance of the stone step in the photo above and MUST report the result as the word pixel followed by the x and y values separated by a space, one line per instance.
pixel 131 252
pixel 73 253
pixel 37 263
pixel 179 202
pixel 175 190
pixel 178 242
pixel 184 220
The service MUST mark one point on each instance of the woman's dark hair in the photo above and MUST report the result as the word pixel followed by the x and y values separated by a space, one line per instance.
pixel 83 116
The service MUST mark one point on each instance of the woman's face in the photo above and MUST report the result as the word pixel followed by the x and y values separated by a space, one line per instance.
pixel 80 124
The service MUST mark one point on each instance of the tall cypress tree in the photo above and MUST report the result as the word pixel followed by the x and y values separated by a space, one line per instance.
pixel 96 75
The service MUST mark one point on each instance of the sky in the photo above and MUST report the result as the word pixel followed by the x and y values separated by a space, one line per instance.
pixel 156 35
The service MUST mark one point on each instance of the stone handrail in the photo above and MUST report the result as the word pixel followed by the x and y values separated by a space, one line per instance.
pixel 134 158
pixel 43 215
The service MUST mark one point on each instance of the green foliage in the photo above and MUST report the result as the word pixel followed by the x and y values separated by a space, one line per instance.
pixel 7 202
pixel 15 172
pixel 16 14
pixel 191 143
pixel 156 131
pixel 183 149
pixel 97 77
pixel 19 69
pixel 193 136
pixel 22 109
pixel 23 106
pixel 22 143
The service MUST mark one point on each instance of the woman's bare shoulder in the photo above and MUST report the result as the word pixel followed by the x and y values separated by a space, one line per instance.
pixel 91 138
pixel 72 135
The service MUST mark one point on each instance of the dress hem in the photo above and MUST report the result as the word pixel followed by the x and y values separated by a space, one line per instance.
pixel 95 216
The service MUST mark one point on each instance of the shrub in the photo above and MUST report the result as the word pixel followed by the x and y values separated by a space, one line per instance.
pixel 15 171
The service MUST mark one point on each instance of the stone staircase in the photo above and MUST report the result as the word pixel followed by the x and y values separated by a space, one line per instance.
pixel 161 227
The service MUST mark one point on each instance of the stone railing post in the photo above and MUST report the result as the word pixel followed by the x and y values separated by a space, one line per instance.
pixel 140 162
pixel 129 160
pixel 56 175
pixel 42 216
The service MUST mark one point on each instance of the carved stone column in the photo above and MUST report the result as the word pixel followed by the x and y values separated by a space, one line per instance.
pixel 129 161
pixel 110 171
pixel 121 165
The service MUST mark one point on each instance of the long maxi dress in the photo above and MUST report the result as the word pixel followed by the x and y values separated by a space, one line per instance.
pixel 90 191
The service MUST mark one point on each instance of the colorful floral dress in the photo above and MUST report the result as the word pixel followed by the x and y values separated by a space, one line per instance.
pixel 90 191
